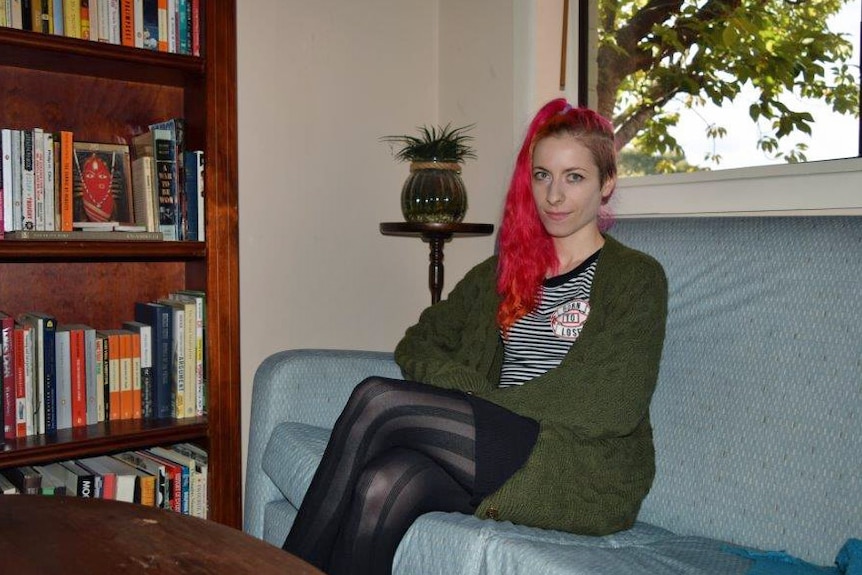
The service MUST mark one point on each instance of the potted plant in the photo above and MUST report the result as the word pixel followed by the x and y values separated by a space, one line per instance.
pixel 434 191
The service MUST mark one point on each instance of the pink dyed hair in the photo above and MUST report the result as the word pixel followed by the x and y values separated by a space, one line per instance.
pixel 526 251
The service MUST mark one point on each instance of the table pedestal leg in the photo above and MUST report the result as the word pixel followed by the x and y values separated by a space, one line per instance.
pixel 435 269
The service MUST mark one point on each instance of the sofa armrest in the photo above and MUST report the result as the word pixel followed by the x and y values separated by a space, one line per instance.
pixel 306 386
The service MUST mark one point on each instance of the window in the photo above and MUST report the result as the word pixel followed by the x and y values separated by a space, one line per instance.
pixel 696 85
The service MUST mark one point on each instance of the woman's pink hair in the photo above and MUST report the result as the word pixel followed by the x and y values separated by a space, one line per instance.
pixel 526 250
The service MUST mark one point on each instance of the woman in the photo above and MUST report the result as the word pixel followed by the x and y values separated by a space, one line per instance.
pixel 528 388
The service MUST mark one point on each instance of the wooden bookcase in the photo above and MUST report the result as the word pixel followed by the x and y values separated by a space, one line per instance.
pixel 103 93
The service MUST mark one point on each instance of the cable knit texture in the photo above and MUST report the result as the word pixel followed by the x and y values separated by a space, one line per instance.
pixel 594 460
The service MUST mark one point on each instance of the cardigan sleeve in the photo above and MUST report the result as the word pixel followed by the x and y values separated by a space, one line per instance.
pixel 431 351
pixel 603 386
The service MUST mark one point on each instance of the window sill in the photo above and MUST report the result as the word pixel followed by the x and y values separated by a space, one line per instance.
pixel 828 187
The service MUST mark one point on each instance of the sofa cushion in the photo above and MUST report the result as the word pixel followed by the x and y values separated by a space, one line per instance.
pixel 292 455
pixel 483 547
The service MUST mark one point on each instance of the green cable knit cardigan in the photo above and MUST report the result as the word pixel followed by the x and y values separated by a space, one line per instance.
pixel 594 461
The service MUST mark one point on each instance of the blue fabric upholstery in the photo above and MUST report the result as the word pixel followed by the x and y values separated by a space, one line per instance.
pixel 756 415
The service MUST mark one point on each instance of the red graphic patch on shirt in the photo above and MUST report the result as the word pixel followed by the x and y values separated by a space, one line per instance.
pixel 568 320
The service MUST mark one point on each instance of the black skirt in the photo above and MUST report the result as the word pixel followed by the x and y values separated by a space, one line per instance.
pixel 504 441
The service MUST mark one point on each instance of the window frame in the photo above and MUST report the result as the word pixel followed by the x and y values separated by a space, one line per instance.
pixel 823 187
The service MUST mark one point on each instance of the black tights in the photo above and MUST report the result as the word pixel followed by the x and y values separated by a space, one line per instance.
pixel 398 450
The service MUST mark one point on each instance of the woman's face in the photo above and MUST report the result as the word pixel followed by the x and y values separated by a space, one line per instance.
pixel 566 188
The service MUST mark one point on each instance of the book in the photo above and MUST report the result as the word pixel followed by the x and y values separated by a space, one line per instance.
pixel 184 351
pixel 90 390
pixel 102 182
pixel 199 507
pixel 80 481
pixel 77 373
pixel 7 487
pixel 53 480
pixel 7 374
pixel 178 468
pixel 24 389
pixel 144 193
pixel 111 366
pixel 63 358
pixel 174 130
pixel 102 385
pixel 39 175
pixel 25 479
pixel 135 373
pixel 109 482
pixel 72 18
pixel 6 178
pixel 28 181
pixel 65 151
pixel 127 23
pixel 44 359
pixel 197 298
pixel 16 164
pixel 193 188
pixel 153 468
pixel 150 24
pixel 145 353
pixel 160 318
pixel 55 475
pixel 49 178
pixel 166 165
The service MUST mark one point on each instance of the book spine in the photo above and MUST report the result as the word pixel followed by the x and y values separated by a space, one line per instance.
pixel 6 161
pixel 7 362
pixel 114 377
pixel 17 212
pixel 50 374
pixel 99 369
pixel 59 23
pixel 183 36
pixel 66 181
pixel 138 21
pixel 114 22
pixel 72 18
pixel 86 13
pixel 127 22
pixel 163 25
pixel 28 182
pixel 196 27
pixel 50 181
pixel 63 396
pixel 79 382
pixel 137 392
pixel 39 179
pixel 167 185
pixel 23 382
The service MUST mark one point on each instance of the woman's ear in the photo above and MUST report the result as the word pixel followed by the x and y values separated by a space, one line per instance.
pixel 608 188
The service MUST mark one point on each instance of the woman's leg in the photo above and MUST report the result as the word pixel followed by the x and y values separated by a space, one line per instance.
pixel 381 414
pixel 391 493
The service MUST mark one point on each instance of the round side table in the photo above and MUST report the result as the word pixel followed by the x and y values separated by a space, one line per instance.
pixel 436 234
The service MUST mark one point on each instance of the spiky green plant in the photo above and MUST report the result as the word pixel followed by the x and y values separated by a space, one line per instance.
pixel 441 144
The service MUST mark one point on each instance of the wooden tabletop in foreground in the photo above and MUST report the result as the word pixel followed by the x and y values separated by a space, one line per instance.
pixel 52 534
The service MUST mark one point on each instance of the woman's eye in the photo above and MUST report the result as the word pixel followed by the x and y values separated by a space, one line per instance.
pixel 540 175
pixel 574 178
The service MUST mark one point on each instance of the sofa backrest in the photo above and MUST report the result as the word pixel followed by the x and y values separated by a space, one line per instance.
pixel 758 412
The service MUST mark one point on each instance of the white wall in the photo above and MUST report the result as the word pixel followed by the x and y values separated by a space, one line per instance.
pixel 318 84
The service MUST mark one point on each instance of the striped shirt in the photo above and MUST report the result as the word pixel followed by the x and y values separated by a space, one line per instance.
pixel 538 341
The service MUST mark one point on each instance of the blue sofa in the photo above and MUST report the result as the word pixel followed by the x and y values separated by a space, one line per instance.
pixel 757 415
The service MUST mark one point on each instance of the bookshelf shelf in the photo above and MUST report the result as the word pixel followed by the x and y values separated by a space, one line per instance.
pixel 106 93
pixel 50 53
pixel 99 439
pixel 47 251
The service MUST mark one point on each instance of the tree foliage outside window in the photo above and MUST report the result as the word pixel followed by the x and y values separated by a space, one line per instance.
pixel 656 58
